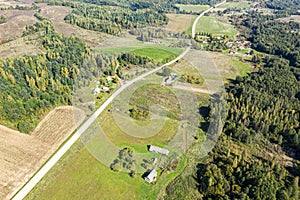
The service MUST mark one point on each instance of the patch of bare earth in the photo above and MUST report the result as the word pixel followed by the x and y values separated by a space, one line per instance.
pixel 180 22
pixel 57 14
pixel 22 155
pixel 16 22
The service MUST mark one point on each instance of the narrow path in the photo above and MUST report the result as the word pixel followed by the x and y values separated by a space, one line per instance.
pixel 192 89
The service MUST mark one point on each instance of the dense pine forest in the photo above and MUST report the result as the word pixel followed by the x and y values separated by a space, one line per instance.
pixel 266 105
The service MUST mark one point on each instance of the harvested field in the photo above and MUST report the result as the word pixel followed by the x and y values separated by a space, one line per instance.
pixel 21 155
pixel 57 15
pixel 180 22
pixel 21 46
pixel 17 20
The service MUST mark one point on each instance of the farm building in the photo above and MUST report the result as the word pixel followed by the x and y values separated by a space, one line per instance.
pixel 159 150
pixel 151 176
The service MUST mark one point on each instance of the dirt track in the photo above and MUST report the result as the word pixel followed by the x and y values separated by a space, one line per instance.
pixel 21 155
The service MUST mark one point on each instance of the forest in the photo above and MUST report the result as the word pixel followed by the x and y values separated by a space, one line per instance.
pixel 31 85
pixel 266 106
pixel 113 20
pixel 278 38
pixel 286 5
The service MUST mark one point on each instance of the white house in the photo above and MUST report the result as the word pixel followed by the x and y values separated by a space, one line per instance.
pixel 159 150
pixel 105 89
pixel 151 176
pixel 96 90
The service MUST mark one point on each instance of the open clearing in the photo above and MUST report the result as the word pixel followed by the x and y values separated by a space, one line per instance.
pixel 230 66
pixel 192 8
pixel 242 4
pixel 57 15
pixel 21 155
pixel 16 22
pixel 180 22
pixel 214 26
pixel 21 46
pixel 128 43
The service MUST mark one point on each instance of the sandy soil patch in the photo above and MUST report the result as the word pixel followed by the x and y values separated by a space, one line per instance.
pixel 21 155
pixel 180 22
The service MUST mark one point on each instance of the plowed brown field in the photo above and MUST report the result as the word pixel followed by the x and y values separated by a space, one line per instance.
pixel 22 155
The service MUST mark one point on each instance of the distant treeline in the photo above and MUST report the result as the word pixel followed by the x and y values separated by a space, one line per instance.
pixel 161 6
pixel 286 5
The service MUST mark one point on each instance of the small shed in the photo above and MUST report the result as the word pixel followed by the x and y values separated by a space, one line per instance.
pixel 151 176
pixel 159 150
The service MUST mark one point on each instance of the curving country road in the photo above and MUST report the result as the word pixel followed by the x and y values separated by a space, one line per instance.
pixel 22 193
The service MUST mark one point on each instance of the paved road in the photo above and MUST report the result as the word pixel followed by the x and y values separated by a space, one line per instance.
pixel 201 15
pixel 22 193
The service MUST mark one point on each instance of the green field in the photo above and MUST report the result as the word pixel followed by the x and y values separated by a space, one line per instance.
pixel 159 55
pixel 192 8
pixel 80 176
pixel 214 26
pixel 242 4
